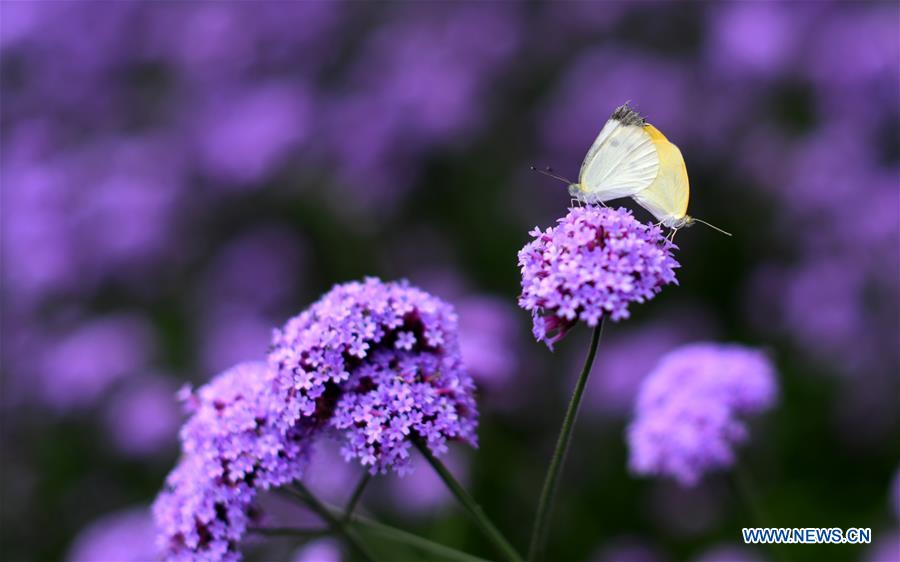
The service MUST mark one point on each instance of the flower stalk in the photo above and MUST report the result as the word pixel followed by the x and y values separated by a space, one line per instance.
pixel 376 528
pixel 413 540
pixel 551 481
pixel 471 506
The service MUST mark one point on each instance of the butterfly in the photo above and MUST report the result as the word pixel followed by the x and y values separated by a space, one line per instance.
pixel 632 158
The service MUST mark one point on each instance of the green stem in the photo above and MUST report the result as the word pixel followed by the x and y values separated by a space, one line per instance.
pixel 386 531
pixel 469 503
pixel 357 494
pixel 336 524
pixel 415 541
pixel 542 517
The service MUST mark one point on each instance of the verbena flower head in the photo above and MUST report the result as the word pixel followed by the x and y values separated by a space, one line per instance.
pixel 687 415
pixel 231 448
pixel 377 362
pixel 592 264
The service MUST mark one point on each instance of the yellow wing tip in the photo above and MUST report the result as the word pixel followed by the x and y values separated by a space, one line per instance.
pixel 655 133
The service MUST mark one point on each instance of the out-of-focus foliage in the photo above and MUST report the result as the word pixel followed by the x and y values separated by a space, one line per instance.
pixel 179 178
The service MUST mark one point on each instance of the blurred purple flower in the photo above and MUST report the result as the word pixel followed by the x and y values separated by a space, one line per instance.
pixel 123 536
pixel 65 71
pixel 106 212
pixel 231 335
pixel 322 550
pixel 423 81
pixel 235 310
pixel 629 354
pixel 143 417
pixel 83 364
pixel 847 336
pixel 851 58
pixel 885 548
pixel 276 257
pixel 246 135
pixel 754 39
pixel 329 476
pixel 594 263
pixel 686 420
pixel 211 44
pixel 830 171
pixel 578 20
pixel 488 340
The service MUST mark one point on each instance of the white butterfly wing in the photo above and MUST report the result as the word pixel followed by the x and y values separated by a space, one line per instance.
pixel 622 161
pixel 668 194
pixel 610 126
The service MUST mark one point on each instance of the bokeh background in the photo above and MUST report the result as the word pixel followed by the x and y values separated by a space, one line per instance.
pixel 177 179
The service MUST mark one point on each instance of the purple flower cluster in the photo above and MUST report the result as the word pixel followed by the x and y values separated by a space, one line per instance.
pixel 592 264
pixel 232 447
pixel 686 419
pixel 398 393
pixel 339 338
pixel 373 364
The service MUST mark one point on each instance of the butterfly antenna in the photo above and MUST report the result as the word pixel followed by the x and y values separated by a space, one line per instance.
pixel 712 226
pixel 548 171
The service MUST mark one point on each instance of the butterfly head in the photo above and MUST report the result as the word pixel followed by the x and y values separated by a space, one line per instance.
pixel 676 223
pixel 688 220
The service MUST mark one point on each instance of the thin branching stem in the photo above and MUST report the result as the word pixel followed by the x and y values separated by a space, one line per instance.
pixel 337 525
pixel 415 541
pixel 356 496
pixel 374 527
